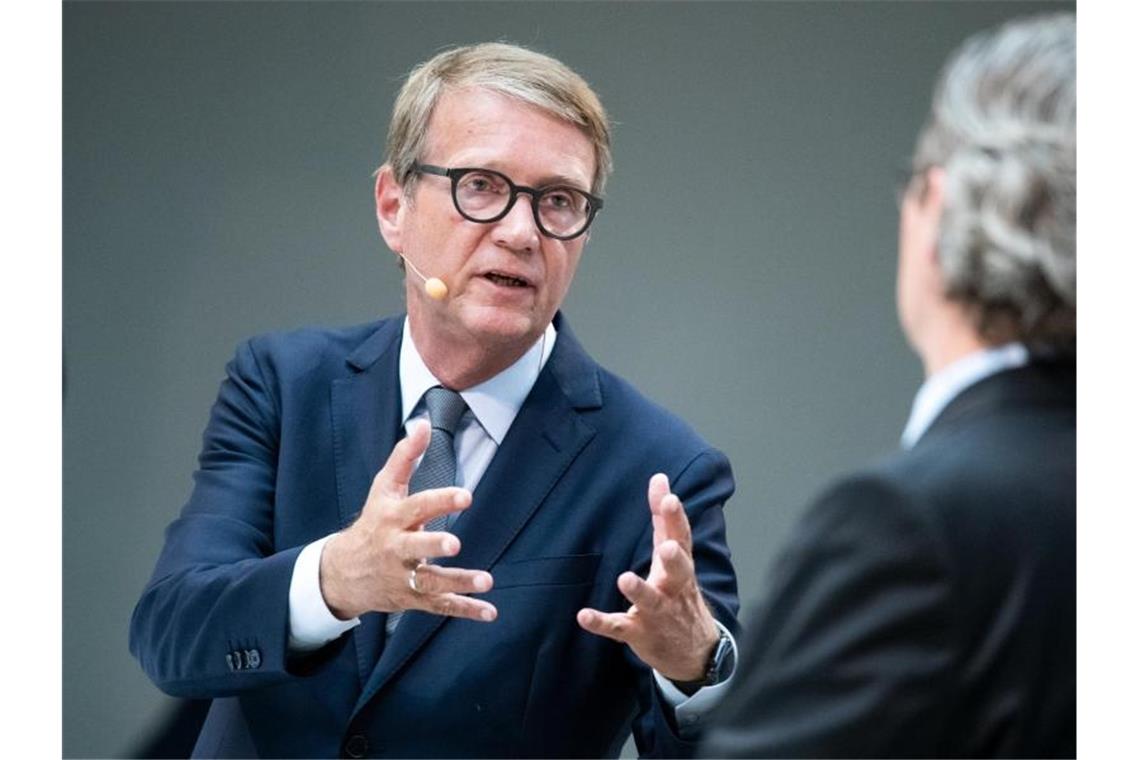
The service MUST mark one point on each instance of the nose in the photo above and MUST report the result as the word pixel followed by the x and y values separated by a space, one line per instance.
pixel 518 230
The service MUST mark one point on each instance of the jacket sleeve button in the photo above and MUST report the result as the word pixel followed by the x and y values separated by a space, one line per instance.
pixel 356 746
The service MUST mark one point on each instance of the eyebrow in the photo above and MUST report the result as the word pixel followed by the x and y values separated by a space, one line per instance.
pixel 555 180
pixel 549 180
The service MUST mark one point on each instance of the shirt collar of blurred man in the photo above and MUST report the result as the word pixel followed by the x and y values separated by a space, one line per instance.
pixel 944 386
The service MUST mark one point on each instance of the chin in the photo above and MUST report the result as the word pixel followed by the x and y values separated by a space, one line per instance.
pixel 497 325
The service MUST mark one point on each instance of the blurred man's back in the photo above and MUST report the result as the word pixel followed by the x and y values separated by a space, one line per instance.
pixel 927 606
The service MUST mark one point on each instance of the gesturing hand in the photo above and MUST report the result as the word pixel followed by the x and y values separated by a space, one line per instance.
pixel 668 626
pixel 369 565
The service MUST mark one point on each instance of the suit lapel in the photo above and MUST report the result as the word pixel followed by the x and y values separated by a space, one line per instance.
pixel 366 425
pixel 546 437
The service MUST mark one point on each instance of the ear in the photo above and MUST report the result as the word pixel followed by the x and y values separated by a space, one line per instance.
pixel 391 207
pixel 928 213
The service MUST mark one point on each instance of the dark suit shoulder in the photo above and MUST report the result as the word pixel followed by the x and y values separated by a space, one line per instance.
pixel 274 374
pixel 645 421
pixel 310 346
pixel 1008 440
pixel 998 487
pixel 867 517
pixel 851 651
pixel 1001 485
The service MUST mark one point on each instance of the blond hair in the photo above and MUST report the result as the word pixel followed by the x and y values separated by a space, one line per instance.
pixel 510 70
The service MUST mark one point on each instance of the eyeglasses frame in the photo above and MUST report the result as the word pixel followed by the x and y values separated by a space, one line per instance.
pixel 457 173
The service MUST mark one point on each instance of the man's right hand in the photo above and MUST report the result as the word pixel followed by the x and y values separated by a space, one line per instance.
pixel 368 565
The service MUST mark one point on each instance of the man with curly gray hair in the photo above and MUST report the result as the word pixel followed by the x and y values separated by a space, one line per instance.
pixel 927 606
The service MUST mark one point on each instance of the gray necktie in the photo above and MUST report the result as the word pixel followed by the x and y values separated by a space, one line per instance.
pixel 437 468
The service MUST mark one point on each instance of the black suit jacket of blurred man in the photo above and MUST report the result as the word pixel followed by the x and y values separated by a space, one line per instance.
pixel 927 606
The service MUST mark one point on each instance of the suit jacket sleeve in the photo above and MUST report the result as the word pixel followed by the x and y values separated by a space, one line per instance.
pixel 703 487
pixel 213 620
pixel 853 644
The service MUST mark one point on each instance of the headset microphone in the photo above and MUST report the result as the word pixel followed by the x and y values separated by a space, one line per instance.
pixel 433 286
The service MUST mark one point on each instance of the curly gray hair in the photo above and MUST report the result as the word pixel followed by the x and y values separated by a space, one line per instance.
pixel 1003 127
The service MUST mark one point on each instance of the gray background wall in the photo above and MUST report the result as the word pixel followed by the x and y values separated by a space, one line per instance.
pixel 217 162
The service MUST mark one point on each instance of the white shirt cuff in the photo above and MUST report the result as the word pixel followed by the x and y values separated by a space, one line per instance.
pixel 311 623
pixel 690 711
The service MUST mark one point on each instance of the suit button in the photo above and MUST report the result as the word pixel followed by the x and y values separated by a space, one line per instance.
pixel 253 656
pixel 356 746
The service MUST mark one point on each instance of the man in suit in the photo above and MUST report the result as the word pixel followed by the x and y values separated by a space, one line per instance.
pixel 927 606
pixel 506 585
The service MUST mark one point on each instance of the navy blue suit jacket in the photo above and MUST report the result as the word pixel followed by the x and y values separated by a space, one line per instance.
pixel 302 423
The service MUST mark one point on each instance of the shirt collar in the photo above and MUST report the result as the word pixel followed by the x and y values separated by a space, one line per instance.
pixel 495 402
pixel 944 386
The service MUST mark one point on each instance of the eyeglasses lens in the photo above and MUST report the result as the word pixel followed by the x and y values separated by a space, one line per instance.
pixel 484 195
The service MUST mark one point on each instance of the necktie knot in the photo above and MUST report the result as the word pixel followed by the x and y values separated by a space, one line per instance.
pixel 445 408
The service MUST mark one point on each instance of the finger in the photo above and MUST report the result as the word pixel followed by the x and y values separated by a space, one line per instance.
pixel 658 489
pixel 457 606
pixel 677 570
pixel 638 592
pixel 394 476
pixel 675 522
pixel 669 524
pixel 618 626
pixel 421 507
pixel 427 544
pixel 433 579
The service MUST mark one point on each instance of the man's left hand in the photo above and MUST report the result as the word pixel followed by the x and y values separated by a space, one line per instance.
pixel 669 625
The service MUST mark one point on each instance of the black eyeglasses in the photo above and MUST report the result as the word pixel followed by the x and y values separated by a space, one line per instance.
pixel 485 196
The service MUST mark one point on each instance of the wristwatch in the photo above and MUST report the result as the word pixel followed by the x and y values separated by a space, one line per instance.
pixel 719 667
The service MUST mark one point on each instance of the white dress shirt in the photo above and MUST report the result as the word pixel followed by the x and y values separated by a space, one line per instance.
pixel 944 386
pixel 491 409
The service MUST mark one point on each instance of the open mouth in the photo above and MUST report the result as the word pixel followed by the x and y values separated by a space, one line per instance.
pixel 506 280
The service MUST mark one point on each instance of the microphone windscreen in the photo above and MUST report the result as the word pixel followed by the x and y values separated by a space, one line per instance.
pixel 435 288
